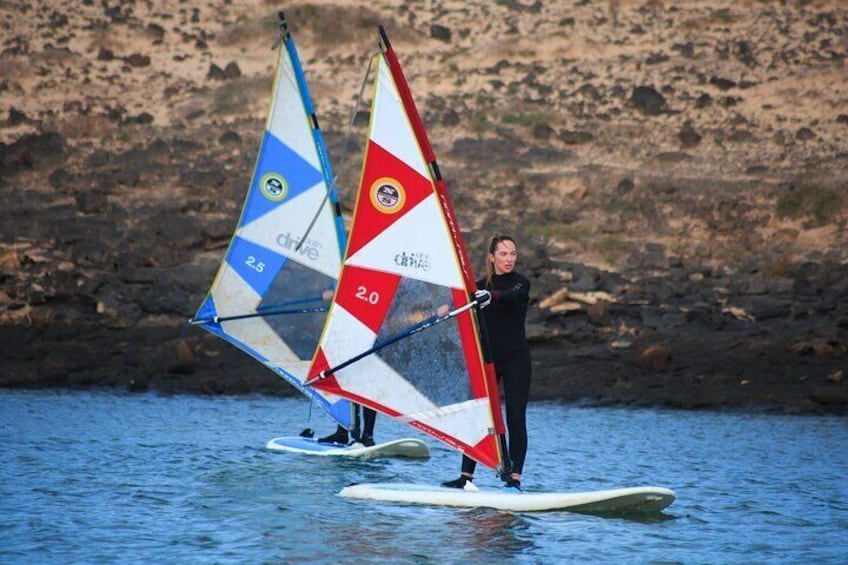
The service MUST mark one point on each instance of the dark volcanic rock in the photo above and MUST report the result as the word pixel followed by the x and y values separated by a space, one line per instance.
pixel 137 60
pixel 805 134
pixel 648 101
pixel 575 137
pixel 688 136
pixel 722 83
pixel 440 32
pixel 16 117
pixel 231 71
pixel 32 151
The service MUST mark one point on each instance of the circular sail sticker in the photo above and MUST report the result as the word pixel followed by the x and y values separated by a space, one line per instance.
pixel 274 186
pixel 387 195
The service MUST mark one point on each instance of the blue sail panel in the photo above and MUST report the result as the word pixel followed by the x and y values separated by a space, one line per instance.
pixel 207 310
pixel 257 265
pixel 281 174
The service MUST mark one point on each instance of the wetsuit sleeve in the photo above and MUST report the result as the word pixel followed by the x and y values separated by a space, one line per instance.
pixel 518 294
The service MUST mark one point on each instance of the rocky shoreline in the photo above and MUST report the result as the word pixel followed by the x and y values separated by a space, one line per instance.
pixel 684 220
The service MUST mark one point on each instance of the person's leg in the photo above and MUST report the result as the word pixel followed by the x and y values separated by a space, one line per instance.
pixel 339 436
pixel 516 379
pixel 468 466
pixel 369 417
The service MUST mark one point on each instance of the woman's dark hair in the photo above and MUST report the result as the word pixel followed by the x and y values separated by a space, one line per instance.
pixel 493 245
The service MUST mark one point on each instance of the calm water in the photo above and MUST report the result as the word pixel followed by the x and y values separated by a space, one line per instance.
pixel 107 478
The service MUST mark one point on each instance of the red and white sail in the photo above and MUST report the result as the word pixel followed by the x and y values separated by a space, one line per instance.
pixel 405 259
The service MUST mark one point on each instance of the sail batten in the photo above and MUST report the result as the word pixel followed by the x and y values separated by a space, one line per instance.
pixel 268 296
pixel 387 343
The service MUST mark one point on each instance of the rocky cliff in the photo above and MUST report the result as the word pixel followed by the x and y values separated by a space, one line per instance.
pixel 676 174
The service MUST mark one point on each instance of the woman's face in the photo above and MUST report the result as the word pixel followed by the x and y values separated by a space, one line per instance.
pixel 504 257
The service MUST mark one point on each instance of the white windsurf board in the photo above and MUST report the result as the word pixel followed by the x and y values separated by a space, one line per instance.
pixel 644 499
pixel 407 447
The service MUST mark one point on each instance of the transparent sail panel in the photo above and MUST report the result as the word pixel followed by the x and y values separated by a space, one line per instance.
pixel 431 360
pixel 297 287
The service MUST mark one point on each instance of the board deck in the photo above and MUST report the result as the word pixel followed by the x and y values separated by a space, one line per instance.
pixel 645 499
pixel 406 447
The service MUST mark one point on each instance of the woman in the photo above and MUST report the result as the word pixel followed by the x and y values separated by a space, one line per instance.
pixel 504 319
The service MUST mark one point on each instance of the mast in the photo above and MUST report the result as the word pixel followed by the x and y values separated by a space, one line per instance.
pixel 441 190
pixel 317 134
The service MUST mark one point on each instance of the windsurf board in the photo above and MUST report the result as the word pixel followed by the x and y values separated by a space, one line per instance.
pixel 645 499
pixel 406 447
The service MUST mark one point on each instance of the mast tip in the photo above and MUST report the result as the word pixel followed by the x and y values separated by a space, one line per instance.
pixel 384 37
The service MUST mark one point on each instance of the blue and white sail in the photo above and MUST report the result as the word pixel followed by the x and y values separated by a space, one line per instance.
pixel 272 290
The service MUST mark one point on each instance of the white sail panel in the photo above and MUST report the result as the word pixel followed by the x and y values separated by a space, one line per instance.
pixel 373 378
pixel 280 230
pixel 401 249
pixel 345 336
pixel 230 296
pixel 390 127
pixel 466 421
pixel 288 122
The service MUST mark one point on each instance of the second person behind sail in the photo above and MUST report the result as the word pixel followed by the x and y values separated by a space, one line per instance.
pixel 342 437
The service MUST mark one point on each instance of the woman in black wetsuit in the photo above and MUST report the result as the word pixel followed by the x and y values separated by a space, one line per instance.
pixel 504 319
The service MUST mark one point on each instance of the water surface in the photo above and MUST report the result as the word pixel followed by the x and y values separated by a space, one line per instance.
pixel 101 477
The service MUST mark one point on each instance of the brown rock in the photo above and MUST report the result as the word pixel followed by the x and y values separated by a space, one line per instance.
pixel 836 377
pixel 656 357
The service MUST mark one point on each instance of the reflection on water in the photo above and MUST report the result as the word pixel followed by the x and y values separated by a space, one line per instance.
pixel 99 477
pixel 501 533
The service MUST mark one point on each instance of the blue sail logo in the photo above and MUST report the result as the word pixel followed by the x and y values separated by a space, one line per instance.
pixel 274 186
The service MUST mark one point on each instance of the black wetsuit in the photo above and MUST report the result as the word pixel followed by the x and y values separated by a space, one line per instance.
pixel 504 319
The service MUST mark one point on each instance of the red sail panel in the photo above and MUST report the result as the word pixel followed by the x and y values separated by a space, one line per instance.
pixel 367 294
pixel 389 189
